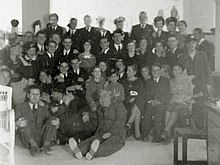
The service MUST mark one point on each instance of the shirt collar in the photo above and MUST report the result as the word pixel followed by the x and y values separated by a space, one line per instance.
pixel 31 105
pixel 40 47
pixel 27 58
pixel 157 79
pixel 49 54
pixel 64 51
pixel 89 28
pixel 116 46
pixel 105 51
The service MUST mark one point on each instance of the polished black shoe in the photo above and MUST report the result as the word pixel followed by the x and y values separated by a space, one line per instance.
pixel 34 151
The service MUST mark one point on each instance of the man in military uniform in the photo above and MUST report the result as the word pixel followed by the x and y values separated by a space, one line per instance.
pixel 110 135
pixel 142 30
pixel 34 124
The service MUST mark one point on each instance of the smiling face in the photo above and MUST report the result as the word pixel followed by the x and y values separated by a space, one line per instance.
pixel 119 25
pixel 131 47
pixel 159 47
pixel 181 27
pixel 172 42
pixel 87 46
pixel 97 73
pixel 159 25
pixel 87 21
pixel 191 46
pixel 43 77
pixel 177 71
pixel 104 43
pixel 156 71
pixel 51 48
pixel 171 27
pixel 53 20
pixel 67 43
pixel 34 96
pixel 131 72
pixel 5 78
pixel 31 53
pixel 102 66
pixel 104 98
pixel 143 44
pixel 75 64
pixel 41 38
pixel 63 67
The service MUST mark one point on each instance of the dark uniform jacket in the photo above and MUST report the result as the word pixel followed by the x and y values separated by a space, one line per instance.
pixel 59 30
pixel 34 119
pixel 137 33
pixel 112 120
pixel 75 38
pixel 172 57
pixel 158 90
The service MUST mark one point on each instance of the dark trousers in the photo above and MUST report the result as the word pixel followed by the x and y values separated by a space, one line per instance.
pixel 107 147
pixel 46 133
pixel 153 120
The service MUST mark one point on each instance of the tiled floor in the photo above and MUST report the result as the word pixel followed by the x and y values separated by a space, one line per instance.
pixel 133 153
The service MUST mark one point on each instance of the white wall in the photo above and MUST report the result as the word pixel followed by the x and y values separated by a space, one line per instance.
pixel 111 9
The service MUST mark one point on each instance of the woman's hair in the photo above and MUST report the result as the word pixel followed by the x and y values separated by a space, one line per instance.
pixel 145 66
pixel 166 68
pixel 159 41
pixel 179 65
pixel 132 41
pixel 95 68
pixel 46 71
pixel 183 22
pixel 159 18
pixel 134 67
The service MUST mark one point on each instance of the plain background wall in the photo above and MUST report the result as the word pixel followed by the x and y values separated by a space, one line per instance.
pixel 33 10
pixel 199 13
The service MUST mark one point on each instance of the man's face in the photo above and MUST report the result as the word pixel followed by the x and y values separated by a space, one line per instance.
pixel 114 77
pixel 31 53
pixel 75 64
pixel 73 24
pixel 143 18
pixel 159 25
pixel 191 46
pixel 117 38
pixel 5 78
pixel 156 71
pixel 28 37
pixel 67 43
pixel 51 48
pixel 53 20
pixel 34 96
pixel 87 21
pixel 64 67
pixel 56 96
pixel 104 98
pixel 41 38
pixel 56 38
pixel 171 26
pixel 104 43
pixel 119 25
pixel 197 35
pixel 172 42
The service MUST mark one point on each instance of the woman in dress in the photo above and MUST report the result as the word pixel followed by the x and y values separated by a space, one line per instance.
pixel 182 25
pixel 134 102
pixel 182 93
pixel 87 59
pixel 160 34
pixel 131 57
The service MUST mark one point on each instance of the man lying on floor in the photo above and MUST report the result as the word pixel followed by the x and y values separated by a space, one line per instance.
pixel 110 135
pixel 34 124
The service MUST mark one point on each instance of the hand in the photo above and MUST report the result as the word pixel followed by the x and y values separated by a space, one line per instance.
pixel 85 117
pixel 78 87
pixel 54 109
pixel 131 100
pixel 80 79
pixel 157 102
pixel 106 135
pixel 75 51
pixel 68 98
pixel 41 103
pixel 55 122
pixel 21 122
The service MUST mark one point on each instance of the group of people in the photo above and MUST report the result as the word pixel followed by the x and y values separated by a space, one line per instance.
pixel 92 88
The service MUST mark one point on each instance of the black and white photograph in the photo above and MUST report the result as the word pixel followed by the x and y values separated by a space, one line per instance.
pixel 110 82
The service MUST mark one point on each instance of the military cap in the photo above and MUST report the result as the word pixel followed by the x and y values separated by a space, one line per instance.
pixel 119 19
pixel 190 37
pixel 112 71
pixel 118 30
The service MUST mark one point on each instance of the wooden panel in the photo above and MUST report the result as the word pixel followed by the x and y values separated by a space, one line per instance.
pixel 214 118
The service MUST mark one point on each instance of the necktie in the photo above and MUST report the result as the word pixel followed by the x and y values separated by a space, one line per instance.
pixel 30 61
pixel 34 108
pixel 66 54
pixel 53 28
pixel 155 80
pixel 119 48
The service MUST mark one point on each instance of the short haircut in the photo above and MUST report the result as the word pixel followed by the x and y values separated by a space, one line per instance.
pixel 41 32
pixel 104 38
pixel 51 41
pixel 132 41
pixel 183 22
pixel 179 65
pixel 159 41
pixel 53 15
pixel 30 87
pixel 5 68
pixel 142 12
pixel 87 16
pixel 75 57
pixel 145 66
pixel 157 64
pixel 199 30
pixel 29 33
pixel 171 35
pixel 63 60
pixel 95 68
pixel 67 37
pixel 47 71
pixel 73 19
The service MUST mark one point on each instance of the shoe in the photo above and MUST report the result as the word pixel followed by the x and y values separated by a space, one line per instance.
pixel 93 149
pixel 137 137
pixel 145 139
pixel 75 149
pixel 34 151
pixel 47 150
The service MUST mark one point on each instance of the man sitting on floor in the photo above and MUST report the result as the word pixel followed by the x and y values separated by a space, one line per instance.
pixel 35 125
pixel 110 135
